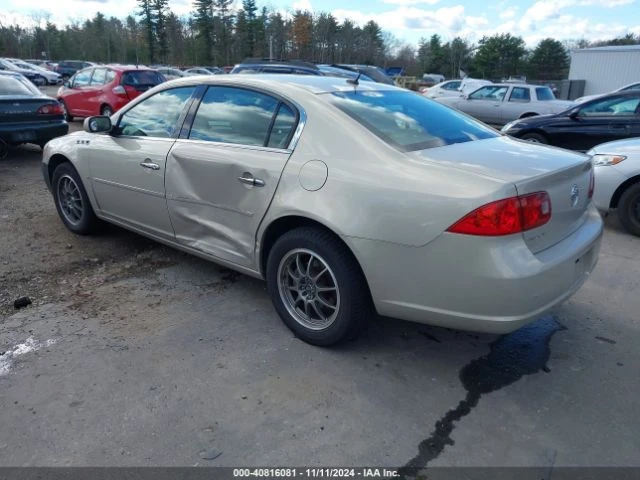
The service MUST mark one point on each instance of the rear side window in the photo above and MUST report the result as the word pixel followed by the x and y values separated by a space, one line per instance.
pixel 12 86
pixel 409 121
pixel 545 94
pixel 99 76
pixel 143 78
pixel 520 94
pixel 110 76
pixel 234 115
pixel 282 128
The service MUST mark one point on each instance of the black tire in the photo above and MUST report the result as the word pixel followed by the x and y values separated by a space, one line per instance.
pixel 354 306
pixel 67 116
pixel 535 138
pixel 86 221
pixel 629 209
pixel 106 110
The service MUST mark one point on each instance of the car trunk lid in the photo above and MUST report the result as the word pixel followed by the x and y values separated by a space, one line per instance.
pixel 23 108
pixel 564 175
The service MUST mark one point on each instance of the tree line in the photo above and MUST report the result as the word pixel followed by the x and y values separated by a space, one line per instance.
pixel 216 34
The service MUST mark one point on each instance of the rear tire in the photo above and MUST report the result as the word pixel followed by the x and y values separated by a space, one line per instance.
pixel 317 287
pixel 67 116
pixel 535 138
pixel 72 201
pixel 629 209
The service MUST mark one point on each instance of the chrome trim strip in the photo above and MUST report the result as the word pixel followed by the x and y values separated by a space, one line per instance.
pixel 128 187
pixel 235 145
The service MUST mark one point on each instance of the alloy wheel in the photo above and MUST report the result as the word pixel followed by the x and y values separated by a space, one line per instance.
pixel 70 200
pixel 308 289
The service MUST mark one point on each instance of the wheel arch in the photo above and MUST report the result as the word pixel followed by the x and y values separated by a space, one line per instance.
pixel 615 198
pixel 529 114
pixel 284 224
pixel 54 161
pixel 533 130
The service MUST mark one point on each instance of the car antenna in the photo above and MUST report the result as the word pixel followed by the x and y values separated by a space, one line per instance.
pixel 354 81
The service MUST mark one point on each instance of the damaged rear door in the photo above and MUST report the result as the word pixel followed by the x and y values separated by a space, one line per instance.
pixel 222 175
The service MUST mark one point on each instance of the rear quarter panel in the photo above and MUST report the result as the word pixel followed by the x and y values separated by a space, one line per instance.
pixel 373 191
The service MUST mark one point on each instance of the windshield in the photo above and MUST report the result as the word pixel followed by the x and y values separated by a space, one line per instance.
pixel 544 94
pixel 141 77
pixel 13 86
pixel 409 121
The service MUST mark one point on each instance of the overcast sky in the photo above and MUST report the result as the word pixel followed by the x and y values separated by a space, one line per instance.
pixel 406 19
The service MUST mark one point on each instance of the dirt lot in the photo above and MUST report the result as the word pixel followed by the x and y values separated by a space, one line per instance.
pixel 134 354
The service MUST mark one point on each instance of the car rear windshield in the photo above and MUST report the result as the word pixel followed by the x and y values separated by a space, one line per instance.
pixel 409 121
pixel 545 93
pixel 13 86
pixel 141 77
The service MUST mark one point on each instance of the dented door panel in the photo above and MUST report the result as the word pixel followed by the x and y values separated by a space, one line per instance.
pixel 210 208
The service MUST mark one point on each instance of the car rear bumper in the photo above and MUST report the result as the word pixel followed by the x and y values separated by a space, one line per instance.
pixel 478 283
pixel 18 133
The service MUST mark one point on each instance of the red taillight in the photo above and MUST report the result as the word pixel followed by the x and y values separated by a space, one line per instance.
pixel 507 216
pixel 592 183
pixel 50 109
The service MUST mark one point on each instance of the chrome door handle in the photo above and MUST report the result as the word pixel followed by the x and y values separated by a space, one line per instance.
pixel 249 179
pixel 149 164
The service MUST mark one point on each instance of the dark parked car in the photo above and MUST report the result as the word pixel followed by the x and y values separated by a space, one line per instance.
pixel 34 77
pixel 26 114
pixel 67 68
pixel 284 67
pixel 611 117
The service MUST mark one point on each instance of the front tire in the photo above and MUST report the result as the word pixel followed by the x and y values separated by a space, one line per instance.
pixel 535 138
pixel 106 110
pixel 317 287
pixel 72 201
pixel 629 209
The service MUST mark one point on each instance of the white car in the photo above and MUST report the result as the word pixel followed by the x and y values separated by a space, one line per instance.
pixel 450 88
pixel 501 103
pixel 52 78
pixel 625 88
pixel 617 180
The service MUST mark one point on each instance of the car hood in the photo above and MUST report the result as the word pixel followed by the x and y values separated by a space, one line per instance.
pixel 563 104
pixel 502 158
pixel 630 146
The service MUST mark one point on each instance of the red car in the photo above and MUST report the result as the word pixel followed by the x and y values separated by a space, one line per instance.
pixel 104 89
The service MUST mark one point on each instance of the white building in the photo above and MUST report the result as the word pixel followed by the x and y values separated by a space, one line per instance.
pixel 605 68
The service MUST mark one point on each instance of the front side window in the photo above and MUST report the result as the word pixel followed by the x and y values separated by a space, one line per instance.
pixel 520 94
pixel 490 92
pixel 156 116
pixel 611 107
pixel 82 78
pixel 409 121
pixel 452 85
pixel 234 115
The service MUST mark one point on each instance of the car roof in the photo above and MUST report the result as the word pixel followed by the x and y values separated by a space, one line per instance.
pixel 628 93
pixel 282 84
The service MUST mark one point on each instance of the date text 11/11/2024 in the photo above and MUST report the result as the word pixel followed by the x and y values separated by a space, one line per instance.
pixel 315 472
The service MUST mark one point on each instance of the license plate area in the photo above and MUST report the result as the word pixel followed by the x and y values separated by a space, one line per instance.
pixel 24 136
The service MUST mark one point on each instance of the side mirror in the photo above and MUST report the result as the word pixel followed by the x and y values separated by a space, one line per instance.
pixel 574 114
pixel 97 124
